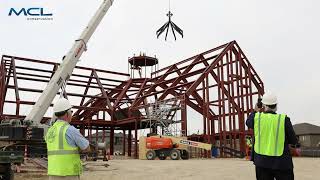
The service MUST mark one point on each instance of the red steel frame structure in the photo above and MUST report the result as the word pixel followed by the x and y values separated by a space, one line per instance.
pixel 220 85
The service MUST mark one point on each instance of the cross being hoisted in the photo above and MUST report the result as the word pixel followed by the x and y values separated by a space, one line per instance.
pixel 167 25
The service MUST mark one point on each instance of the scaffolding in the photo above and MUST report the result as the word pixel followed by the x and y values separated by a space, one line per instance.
pixel 162 118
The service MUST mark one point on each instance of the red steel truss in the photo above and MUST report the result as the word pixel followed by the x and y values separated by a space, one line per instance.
pixel 220 85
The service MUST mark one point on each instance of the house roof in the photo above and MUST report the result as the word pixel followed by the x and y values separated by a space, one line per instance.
pixel 306 129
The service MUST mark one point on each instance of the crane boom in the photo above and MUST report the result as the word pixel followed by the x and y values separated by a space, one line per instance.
pixel 65 69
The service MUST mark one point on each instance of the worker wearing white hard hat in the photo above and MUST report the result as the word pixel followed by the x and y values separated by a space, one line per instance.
pixel 269 99
pixel 61 106
pixel 273 133
pixel 64 143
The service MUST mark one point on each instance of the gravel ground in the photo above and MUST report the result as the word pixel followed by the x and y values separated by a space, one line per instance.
pixel 227 169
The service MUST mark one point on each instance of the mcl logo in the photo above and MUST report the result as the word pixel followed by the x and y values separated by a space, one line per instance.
pixel 34 11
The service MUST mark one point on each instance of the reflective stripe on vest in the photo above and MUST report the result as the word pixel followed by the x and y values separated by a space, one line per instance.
pixel 269 134
pixel 63 152
pixel 63 159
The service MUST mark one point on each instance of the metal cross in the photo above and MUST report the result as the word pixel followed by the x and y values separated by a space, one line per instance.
pixel 166 27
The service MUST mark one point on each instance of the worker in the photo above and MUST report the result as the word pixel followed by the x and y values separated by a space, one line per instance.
pixel 249 141
pixel 248 147
pixel 272 133
pixel 64 143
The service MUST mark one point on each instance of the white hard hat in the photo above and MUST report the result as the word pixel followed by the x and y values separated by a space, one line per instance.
pixel 269 98
pixel 62 104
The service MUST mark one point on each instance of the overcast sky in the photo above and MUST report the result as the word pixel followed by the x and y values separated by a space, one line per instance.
pixel 280 38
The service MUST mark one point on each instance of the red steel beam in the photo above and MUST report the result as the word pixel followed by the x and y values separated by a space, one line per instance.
pixel 122 93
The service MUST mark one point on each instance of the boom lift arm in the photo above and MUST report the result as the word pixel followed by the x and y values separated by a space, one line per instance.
pixel 195 144
pixel 65 69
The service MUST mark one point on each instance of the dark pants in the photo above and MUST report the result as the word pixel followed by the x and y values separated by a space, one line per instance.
pixel 271 174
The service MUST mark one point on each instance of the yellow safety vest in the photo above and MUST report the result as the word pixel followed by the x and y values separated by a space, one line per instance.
pixel 63 159
pixel 269 134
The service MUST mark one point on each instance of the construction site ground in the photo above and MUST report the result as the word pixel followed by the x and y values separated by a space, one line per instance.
pixel 201 169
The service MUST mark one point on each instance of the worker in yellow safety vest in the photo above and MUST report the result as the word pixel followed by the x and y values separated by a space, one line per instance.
pixel 64 143
pixel 248 147
pixel 272 135
pixel 249 141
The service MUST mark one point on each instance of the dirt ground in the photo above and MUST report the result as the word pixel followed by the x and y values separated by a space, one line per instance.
pixel 227 169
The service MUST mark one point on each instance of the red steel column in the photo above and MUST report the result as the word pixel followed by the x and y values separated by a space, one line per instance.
pixel 184 116
pixel 103 135
pixel 204 109
pixel 104 141
pixel 124 143
pixel 16 88
pixel 233 110
pixel 97 132
pixel 97 135
pixel 238 134
pixel 111 140
pixel 213 131
pixel 82 129
pixel 223 103
pixel 129 142
pixel 136 139
pixel 90 131
pixel 220 109
pixel 230 90
pixel 207 103
pixel 228 104
pixel 241 118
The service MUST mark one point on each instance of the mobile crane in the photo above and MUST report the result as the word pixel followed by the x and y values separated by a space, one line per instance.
pixel 17 133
